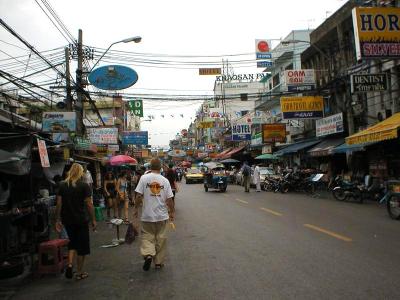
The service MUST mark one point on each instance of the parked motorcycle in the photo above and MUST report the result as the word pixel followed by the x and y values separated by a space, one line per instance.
pixel 270 184
pixel 295 181
pixel 392 199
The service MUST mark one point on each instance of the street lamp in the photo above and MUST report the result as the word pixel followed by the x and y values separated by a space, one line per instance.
pixel 135 39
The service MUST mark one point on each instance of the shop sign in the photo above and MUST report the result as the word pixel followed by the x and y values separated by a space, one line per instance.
pixel 113 77
pixel 256 139
pixel 209 71
pixel 241 132
pixel 329 125
pixel 60 137
pixel 376 32
pixel 177 153
pixel 362 83
pixel 145 153
pixel 264 64
pixel 300 80
pixel 103 135
pixel 263 49
pixel 304 107
pixel 266 149
pixel 136 107
pixel 81 143
pixel 44 157
pixel 205 125
pixel 59 121
pixel 240 77
pixel 274 133
pixel 137 153
pixel 112 148
pixel 135 137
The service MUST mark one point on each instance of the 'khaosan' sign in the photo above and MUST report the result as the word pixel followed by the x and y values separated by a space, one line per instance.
pixel 377 32
pixel 304 107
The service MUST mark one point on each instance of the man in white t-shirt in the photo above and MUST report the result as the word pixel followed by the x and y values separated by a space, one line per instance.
pixel 156 194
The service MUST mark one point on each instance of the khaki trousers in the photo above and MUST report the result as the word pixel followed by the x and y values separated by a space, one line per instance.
pixel 154 240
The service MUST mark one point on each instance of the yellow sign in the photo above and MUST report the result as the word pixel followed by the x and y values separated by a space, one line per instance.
pixel 384 130
pixel 377 32
pixel 145 153
pixel 206 125
pixel 210 71
pixel 305 107
pixel 274 133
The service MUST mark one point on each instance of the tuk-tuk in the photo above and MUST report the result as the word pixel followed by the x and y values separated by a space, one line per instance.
pixel 216 178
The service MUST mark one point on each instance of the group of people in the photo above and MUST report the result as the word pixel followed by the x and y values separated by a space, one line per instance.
pixel 153 195
pixel 246 172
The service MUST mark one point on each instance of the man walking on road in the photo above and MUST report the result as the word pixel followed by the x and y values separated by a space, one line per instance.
pixel 246 172
pixel 154 191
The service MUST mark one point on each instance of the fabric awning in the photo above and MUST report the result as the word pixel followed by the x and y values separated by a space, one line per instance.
pixel 385 130
pixel 232 152
pixel 344 148
pixel 267 156
pixel 325 147
pixel 222 154
pixel 296 147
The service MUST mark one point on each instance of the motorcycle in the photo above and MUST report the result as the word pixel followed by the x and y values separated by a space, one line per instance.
pixel 392 199
pixel 295 181
pixel 270 184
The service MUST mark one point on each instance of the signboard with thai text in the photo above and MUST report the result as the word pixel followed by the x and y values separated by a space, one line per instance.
pixel 376 32
pixel 209 71
pixel 59 121
pixel 304 107
pixel 272 133
pixel 103 135
pixel 329 125
pixel 361 83
pixel 44 157
pixel 300 80
pixel 135 138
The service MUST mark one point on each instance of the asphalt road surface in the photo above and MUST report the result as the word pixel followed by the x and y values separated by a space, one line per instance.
pixel 238 245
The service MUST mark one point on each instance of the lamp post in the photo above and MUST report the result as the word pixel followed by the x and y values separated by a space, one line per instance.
pixel 135 39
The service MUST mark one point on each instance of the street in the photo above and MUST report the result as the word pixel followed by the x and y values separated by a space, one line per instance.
pixel 238 245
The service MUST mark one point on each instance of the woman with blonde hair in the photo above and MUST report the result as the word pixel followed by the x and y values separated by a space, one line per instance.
pixel 74 200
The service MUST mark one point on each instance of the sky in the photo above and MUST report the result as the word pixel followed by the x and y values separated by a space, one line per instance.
pixel 175 28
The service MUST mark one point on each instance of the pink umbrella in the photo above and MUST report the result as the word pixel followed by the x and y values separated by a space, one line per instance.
pixel 122 160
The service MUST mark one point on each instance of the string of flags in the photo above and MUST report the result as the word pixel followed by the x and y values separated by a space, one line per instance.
pixel 152 117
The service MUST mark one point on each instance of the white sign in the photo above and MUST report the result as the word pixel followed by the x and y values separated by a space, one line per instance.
pixel 329 125
pixel 44 157
pixel 241 132
pixel 263 49
pixel 298 77
pixel 103 135
pixel 266 149
pixel 59 121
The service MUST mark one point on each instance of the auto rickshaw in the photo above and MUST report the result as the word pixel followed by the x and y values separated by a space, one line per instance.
pixel 216 178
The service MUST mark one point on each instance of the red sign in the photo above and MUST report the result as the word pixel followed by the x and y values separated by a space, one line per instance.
pixel 44 157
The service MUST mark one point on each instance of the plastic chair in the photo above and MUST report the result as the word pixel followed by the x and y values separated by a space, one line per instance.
pixel 51 256
pixel 98 212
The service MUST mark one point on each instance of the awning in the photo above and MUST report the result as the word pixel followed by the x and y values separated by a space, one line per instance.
pixel 232 152
pixel 351 148
pixel 219 155
pixel 296 147
pixel 384 130
pixel 325 147
pixel 267 156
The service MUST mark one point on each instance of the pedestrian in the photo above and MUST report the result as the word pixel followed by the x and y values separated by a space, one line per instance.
pixel 74 201
pixel 122 196
pixel 110 193
pixel 172 178
pixel 246 172
pixel 156 194
pixel 257 178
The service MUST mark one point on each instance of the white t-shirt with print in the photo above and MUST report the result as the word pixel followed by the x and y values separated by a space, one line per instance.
pixel 155 190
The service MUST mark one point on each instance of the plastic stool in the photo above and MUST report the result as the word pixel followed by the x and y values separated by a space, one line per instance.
pixel 98 212
pixel 51 257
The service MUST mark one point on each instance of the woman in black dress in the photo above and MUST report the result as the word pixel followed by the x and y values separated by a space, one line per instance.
pixel 110 193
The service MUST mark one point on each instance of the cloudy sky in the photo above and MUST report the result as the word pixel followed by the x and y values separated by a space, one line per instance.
pixel 173 31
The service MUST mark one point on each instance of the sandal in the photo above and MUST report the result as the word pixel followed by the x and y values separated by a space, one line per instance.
pixel 68 271
pixel 81 276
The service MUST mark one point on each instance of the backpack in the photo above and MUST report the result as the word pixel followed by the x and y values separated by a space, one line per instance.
pixel 246 171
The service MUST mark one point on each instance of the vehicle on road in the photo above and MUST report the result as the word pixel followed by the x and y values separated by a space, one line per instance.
pixel 194 175
pixel 216 178
pixel 392 199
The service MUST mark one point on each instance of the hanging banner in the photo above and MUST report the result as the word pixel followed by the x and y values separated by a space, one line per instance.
pixel 241 132
pixel 376 32
pixel 300 80
pixel 274 133
pixel 304 107
pixel 44 157
pixel 135 138
pixel 329 125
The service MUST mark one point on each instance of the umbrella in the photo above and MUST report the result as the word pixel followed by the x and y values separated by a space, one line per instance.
pixel 213 165
pixel 122 160
pixel 267 156
pixel 230 161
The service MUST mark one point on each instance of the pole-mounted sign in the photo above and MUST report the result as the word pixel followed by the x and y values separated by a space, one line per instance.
pixel 136 107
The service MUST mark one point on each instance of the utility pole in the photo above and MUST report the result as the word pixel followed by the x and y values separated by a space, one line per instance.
pixel 68 80
pixel 79 91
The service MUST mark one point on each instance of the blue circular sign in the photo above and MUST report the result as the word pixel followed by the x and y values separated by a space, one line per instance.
pixel 113 77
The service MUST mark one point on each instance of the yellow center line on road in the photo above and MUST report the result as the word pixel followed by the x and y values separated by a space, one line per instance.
pixel 331 233
pixel 242 201
pixel 271 211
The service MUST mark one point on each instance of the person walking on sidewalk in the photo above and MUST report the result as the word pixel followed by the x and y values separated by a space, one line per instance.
pixel 122 196
pixel 257 178
pixel 156 194
pixel 246 172
pixel 74 200
pixel 110 193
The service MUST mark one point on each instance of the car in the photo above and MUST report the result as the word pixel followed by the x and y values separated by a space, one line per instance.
pixel 194 175
pixel 264 172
